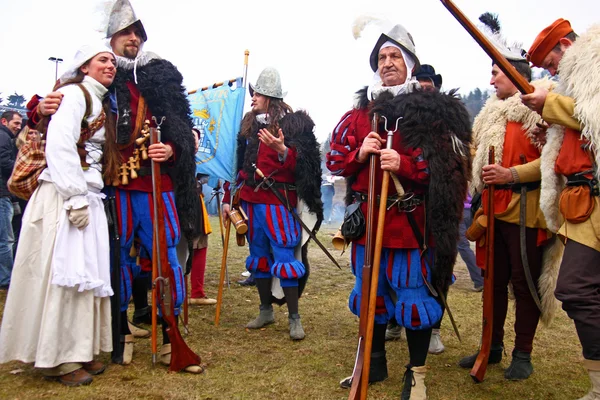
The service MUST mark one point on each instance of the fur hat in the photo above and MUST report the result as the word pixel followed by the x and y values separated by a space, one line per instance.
pixel 84 54
pixel 547 39
pixel 399 36
pixel 428 72
pixel 268 84
pixel 121 17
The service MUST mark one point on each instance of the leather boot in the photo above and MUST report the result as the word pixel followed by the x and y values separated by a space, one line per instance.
pixel 495 357
pixel 593 367
pixel 520 367
pixel 138 332
pixel 127 341
pixel 76 378
pixel 93 367
pixel 435 343
pixel 143 316
pixel 377 370
pixel 414 383
pixel 296 330
pixel 265 317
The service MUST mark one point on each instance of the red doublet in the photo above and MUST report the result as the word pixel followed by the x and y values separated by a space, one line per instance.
pixel 143 183
pixel 413 174
pixel 572 158
pixel 516 143
pixel 268 162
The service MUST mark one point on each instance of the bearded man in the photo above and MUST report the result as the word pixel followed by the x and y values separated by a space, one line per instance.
pixel 146 86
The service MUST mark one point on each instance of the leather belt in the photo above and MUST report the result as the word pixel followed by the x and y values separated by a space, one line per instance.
pixel 405 203
pixel 146 171
pixel 276 185
pixel 516 187
pixel 580 179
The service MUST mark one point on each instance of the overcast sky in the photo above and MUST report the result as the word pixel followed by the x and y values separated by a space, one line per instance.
pixel 310 42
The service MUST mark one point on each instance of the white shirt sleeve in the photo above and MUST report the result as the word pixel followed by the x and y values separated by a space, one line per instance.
pixel 61 148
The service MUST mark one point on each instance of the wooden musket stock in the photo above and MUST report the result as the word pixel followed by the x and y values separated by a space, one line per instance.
pixel 515 77
pixel 358 372
pixel 481 363
pixel 181 355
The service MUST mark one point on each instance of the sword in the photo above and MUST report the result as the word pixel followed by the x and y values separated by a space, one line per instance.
pixel 268 183
pixel 523 244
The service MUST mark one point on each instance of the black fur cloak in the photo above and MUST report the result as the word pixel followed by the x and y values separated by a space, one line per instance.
pixel 438 123
pixel 160 83
pixel 298 129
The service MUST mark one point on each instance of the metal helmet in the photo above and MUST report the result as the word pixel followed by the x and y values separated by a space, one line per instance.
pixel 268 84
pixel 122 16
pixel 400 36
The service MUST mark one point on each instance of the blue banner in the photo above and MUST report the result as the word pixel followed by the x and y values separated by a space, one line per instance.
pixel 217 113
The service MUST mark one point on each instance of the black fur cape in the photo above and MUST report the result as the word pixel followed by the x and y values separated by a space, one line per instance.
pixel 438 123
pixel 160 83
pixel 297 128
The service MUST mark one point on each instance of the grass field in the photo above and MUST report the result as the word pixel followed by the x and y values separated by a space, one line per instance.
pixel 266 364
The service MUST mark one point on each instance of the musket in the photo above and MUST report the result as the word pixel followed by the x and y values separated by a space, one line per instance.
pixel 481 363
pixel 385 182
pixel 357 372
pixel 515 77
pixel 268 183
pixel 110 208
pixel 181 355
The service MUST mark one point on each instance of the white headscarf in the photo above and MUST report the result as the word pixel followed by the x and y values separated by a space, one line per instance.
pixel 84 54
pixel 376 87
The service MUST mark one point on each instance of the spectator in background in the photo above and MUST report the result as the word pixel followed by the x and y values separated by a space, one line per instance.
pixel 27 134
pixel 464 248
pixel 199 244
pixel 327 193
pixel 10 125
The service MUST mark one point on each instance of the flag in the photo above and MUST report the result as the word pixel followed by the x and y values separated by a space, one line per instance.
pixel 217 114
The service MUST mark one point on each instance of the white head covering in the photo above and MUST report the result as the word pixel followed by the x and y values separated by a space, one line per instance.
pixel 376 87
pixel 84 54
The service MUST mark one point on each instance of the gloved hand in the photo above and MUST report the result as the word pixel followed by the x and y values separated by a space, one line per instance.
pixel 79 217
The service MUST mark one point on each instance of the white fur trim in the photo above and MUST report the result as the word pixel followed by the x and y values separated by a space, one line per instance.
pixel 489 128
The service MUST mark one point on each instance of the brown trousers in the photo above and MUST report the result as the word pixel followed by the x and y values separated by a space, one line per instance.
pixel 508 267
pixel 578 288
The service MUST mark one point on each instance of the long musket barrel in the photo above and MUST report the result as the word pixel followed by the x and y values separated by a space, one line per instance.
pixel 355 389
pixel 481 363
pixel 181 355
pixel 515 77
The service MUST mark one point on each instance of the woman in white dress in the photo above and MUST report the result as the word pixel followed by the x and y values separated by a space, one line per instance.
pixel 57 312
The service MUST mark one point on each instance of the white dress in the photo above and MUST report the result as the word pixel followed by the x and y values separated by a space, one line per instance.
pixel 58 306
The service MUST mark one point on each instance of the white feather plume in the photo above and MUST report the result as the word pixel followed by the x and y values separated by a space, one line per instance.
pixel 512 51
pixel 361 22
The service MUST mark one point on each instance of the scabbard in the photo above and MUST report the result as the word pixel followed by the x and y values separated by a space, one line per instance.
pixel 523 248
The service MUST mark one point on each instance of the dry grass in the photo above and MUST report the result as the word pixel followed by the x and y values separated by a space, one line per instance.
pixel 265 364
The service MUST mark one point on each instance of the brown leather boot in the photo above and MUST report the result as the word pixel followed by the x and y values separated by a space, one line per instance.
pixel 94 367
pixel 76 378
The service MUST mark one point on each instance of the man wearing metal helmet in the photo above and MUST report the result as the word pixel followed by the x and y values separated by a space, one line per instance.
pixel 430 158
pixel 281 143
pixel 571 154
pixel 147 86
